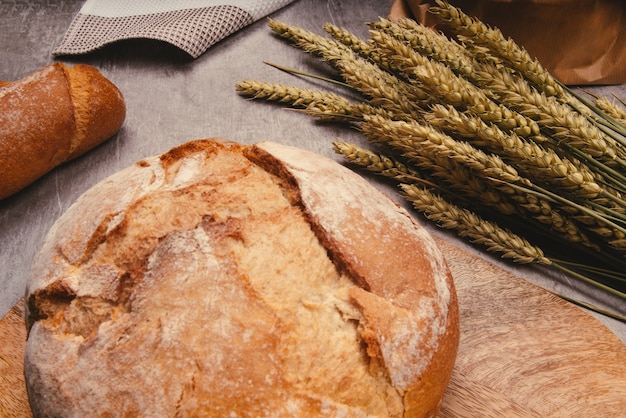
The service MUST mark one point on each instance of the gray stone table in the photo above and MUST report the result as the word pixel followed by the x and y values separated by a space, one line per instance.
pixel 172 99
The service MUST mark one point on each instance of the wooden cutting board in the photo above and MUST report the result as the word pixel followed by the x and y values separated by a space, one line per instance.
pixel 13 399
pixel 527 353
pixel 523 352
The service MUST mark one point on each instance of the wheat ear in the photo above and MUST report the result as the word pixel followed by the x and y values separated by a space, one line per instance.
pixel 295 96
pixel 490 235
pixel 427 42
pixel 535 161
pixel 356 44
pixel 473 31
pixel 468 224
pixel 382 88
pixel 320 104
pixel 377 163
pixel 446 85
pixel 471 171
pixel 611 108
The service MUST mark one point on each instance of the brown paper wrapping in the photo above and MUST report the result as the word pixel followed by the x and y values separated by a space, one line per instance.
pixel 580 42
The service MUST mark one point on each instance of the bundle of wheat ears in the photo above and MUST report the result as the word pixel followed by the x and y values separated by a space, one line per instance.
pixel 480 138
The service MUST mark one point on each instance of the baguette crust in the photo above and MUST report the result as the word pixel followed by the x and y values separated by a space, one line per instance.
pixel 51 117
pixel 222 279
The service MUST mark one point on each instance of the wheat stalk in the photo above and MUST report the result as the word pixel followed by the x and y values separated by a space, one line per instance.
pixel 382 88
pixel 611 108
pixel 514 91
pixel 293 95
pixel 458 163
pixel 441 81
pixel 379 163
pixel 353 112
pixel 422 146
pixel 356 44
pixel 475 32
pixel 540 163
pixel 508 88
pixel 491 236
pixel 470 225
pixel 321 104
pixel 427 42
pixel 461 165
pixel 423 138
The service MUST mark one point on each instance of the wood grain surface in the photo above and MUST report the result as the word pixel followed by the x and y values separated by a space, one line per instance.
pixel 13 398
pixel 527 353
pixel 523 351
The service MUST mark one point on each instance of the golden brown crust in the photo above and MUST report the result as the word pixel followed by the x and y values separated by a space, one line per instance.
pixel 52 116
pixel 208 268
pixel 34 136
pixel 99 108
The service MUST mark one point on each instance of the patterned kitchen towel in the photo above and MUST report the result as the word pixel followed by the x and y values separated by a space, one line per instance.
pixel 191 25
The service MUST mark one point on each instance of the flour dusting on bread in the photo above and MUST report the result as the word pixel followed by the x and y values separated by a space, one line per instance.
pixel 219 279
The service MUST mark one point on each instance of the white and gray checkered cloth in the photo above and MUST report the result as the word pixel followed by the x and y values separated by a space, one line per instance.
pixel 191 25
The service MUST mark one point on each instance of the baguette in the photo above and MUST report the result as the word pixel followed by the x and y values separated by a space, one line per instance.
pixel 52 116
pixel 220 279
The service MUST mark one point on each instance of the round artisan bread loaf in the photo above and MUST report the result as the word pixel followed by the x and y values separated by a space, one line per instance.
pixel 227 280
